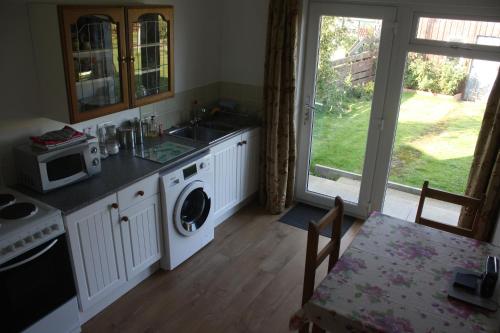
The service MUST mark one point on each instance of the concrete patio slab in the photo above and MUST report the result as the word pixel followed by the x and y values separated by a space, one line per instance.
pixel 397 203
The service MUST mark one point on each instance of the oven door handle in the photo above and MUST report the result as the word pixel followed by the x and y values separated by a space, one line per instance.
pixel 33 257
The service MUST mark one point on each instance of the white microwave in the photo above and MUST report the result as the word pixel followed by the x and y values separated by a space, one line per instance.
pixel 44 170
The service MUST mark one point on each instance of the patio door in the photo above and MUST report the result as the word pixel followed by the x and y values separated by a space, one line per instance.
pixel 348 51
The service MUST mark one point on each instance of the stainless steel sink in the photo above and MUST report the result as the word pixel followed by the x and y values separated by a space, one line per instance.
pixel 200 133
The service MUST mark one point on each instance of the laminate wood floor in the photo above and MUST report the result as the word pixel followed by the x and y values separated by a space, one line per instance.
pixel 249 279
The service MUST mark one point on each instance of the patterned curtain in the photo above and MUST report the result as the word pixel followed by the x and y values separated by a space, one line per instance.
pixel 277 174
pixel 484 177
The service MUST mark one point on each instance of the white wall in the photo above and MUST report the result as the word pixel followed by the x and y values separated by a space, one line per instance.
pixel 243 41
pixel 18 84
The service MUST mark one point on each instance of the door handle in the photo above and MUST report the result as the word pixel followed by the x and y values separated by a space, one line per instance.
pixel 309 108
pixel 33 257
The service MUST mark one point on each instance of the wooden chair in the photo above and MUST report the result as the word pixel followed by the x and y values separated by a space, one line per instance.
pixel 473 204
pixel 313 258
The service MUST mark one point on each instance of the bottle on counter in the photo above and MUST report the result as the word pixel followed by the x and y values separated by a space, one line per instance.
pixel 112 144
pixel 137 126
pixel 153 128
pixel 101 134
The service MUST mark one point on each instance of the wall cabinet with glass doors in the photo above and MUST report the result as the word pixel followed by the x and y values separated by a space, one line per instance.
pixel 115 57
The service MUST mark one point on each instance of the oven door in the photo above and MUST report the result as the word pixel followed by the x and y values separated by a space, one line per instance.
pixel 34 284
pixel 63 167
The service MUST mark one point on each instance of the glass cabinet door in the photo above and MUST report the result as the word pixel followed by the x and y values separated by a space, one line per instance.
pixel 95 61
pixel 150 46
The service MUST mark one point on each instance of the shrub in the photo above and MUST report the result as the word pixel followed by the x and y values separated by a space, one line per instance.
pixel 426 74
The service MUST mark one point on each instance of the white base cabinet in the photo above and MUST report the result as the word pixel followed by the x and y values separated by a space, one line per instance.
pixel 96 251
pixel 236 172
pixel 141 235
pixel 112 244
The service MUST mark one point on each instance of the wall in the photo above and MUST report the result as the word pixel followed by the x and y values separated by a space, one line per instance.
pixel 243 43
pixel 197 73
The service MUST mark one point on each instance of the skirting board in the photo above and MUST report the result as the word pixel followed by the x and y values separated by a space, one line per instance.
pixel 122 290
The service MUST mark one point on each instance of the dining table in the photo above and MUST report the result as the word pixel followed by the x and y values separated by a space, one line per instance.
pixel 395 277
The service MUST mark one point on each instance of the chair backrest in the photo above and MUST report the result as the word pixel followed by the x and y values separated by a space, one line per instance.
pixel 313 258
pixel 474 206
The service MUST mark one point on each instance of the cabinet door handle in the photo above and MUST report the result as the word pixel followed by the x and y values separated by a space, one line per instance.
pixel 239 144
pixel 123 59
pixel 132 59
pixel 140 193
pixel 114 205
pixel 244 142
pixel 124 219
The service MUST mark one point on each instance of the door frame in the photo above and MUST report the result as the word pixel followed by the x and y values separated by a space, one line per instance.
pixel 406 42
pixel 315 11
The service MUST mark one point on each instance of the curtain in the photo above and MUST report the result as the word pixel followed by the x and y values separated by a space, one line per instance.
pixel 277 173
pixel 484 177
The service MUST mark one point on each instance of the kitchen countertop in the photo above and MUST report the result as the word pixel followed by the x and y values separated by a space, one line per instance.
pixel 118 172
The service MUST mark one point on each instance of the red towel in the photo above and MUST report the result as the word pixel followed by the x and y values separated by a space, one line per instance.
pixel 56 137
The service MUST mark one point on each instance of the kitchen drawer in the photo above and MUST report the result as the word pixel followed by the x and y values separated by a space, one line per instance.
pixel 138 192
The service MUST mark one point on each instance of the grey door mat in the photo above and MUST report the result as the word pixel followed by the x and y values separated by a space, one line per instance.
pixel 300 215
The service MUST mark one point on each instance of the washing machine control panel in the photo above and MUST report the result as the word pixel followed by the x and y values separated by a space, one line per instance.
pixel 201 166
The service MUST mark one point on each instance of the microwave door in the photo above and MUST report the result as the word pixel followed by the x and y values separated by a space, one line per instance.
pixel 64 167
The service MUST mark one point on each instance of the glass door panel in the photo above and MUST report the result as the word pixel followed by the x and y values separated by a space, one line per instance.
pixel 345 79
pixel 441 110
pixel 151 50
pixel 96 60
pixel 346 70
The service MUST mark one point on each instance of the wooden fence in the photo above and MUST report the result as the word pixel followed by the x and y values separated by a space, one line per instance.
pixel 456 30
pixel 361 67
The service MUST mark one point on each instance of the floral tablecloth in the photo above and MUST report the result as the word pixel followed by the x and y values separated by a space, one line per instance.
pixel 394 278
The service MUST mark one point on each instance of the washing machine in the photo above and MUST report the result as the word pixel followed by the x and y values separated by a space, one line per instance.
pixel 187 207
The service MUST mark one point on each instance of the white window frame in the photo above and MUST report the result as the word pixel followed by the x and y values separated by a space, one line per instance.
pixel 404 42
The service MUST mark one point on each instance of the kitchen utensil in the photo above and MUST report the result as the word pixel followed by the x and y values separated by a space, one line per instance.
pixel 126 137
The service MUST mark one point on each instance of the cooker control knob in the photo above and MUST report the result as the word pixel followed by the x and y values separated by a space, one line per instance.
pixel 93 150
pixel 46 231
pixel 28 239
pixel 95 162
pixel 38 235
pixel 19 243
pixel 7 249
pixel 54 227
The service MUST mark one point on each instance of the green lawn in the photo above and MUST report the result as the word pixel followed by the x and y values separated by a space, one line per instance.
pixel 435 140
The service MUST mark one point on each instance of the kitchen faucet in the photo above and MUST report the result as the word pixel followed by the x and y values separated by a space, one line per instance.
pixel 199 114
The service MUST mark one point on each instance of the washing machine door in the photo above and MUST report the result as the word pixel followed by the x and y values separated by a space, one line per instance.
pixel 192 208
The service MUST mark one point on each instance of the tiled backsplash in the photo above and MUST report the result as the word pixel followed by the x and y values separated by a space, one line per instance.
pixel 169 112
pixel 249 97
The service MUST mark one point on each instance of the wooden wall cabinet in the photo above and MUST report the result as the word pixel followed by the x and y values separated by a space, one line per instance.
pixel 115 57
